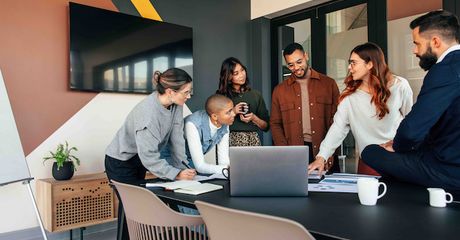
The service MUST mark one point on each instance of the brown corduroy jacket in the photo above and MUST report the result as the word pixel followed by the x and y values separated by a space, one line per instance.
pixel 286 111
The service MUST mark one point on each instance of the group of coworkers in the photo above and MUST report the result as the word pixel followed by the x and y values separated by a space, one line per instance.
pixel 418 143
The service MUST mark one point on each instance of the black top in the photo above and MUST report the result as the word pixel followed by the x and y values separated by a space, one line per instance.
pixel 256 106
pixel 403 213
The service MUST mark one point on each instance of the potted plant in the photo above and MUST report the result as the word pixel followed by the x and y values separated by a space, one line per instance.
pixel 65 163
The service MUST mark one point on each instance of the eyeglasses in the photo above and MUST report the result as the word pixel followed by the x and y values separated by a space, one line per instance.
pixel 353 63
pixel 186 93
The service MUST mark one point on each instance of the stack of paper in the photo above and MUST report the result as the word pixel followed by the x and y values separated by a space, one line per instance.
pixel 339 182
pixel 315 175
pixel 201 178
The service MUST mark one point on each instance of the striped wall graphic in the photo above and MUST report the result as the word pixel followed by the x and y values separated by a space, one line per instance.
pixel 142 8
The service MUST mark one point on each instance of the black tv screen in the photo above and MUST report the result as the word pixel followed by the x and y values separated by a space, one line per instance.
pixel 116 52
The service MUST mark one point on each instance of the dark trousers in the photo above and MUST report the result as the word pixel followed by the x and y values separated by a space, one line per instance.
pixel 335 167
pixel 131 172
pixel 415 167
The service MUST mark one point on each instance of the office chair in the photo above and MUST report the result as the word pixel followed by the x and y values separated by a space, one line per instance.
pixel 227 224
pixel 149 218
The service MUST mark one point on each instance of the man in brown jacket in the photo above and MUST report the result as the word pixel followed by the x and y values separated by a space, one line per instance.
pixel 303 106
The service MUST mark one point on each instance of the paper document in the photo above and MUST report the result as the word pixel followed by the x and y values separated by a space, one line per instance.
pixel 210 177
pixel 352 175
pixel 199 189
pixel 347 178
pixel 173 185
pixel 338 182
pixel 315 175
pixel 329 187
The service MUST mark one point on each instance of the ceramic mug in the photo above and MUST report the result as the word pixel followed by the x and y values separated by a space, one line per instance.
pixel 438 197
pixel 226 172
pixel 368 190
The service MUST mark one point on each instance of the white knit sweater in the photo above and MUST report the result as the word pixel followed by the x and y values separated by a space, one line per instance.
pixel 356 112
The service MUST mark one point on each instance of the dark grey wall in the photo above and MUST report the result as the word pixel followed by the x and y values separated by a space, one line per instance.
pixel 260 54
pixel 220 30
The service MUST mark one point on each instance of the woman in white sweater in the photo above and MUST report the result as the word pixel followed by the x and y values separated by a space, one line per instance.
pixel 372 105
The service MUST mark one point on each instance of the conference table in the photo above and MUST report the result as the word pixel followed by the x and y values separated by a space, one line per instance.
pixel 403 213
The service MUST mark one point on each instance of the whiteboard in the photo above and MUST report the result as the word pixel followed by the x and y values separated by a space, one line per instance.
pixel 13 165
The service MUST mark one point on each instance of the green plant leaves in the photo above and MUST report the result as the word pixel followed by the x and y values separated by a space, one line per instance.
pixel 63 154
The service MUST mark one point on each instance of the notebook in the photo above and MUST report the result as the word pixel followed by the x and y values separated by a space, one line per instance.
pixel 186 186
pixel 269 171
pixel 199 189
pixel 173 185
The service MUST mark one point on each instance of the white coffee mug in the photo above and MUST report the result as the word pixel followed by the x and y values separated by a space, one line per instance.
pixel 438 197
pixel 368 190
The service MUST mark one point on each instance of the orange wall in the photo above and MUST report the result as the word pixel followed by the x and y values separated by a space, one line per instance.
pixel 404 8
pixel 34 60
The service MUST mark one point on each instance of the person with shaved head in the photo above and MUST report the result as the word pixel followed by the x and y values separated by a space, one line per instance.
pixel 207 128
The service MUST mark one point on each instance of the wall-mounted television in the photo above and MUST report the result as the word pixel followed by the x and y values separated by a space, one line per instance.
pixel 116 52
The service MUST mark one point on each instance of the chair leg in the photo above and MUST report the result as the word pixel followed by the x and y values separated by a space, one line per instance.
pixel 122 226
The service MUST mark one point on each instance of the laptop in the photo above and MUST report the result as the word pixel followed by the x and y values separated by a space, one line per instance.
pixel 269 171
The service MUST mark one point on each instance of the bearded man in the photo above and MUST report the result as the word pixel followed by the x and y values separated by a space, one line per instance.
pixel 303 106
pixel 426 147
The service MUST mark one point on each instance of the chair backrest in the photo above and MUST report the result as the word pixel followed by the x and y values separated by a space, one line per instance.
pixel 225 223
pixel 149 218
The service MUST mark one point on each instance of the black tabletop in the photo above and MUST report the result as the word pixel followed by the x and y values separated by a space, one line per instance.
pixel 403 213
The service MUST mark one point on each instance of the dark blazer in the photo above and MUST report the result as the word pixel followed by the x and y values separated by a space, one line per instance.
pixel 432 128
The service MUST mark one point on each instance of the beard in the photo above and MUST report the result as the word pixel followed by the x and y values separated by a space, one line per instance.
pixel 427 60
pixel 305 70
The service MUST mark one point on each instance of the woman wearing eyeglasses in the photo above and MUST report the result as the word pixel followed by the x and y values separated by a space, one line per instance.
pixel 372 105
pixel 155 123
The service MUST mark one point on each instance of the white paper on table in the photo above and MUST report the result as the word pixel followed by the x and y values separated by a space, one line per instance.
pixel 173 185
pixel 345 178
pixel 199 189
pixel 205 178
pixel 351 175
pixel 330 187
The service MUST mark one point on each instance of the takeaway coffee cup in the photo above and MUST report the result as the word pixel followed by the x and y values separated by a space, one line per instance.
pixel 438 197
pixel 368 191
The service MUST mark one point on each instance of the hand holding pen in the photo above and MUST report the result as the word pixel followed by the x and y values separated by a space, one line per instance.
pixel 186 174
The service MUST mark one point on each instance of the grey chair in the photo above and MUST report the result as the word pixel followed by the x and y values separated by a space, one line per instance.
pixel 149 218
pixel 228 224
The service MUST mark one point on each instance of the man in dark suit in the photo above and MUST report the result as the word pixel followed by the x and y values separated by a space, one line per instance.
pixel 426 148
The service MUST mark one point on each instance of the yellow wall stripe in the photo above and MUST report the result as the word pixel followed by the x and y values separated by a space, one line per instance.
pixel 146 9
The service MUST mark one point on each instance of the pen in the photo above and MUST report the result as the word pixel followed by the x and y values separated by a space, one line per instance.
pixel 188 166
